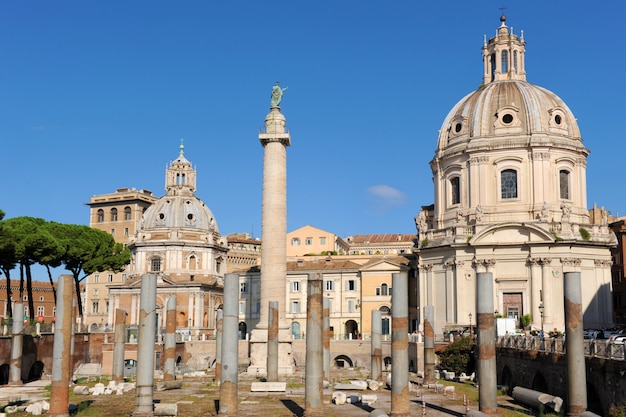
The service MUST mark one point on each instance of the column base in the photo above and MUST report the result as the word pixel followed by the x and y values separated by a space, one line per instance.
pixel 258 353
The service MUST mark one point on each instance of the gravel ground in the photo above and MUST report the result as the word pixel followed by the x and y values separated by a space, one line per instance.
pixel 199 396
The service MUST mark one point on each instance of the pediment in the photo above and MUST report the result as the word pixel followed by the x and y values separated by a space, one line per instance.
pixel 383 265
pixel 161 280
pixel 512 234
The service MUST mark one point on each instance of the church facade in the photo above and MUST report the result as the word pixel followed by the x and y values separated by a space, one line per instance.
pixel 510 197
pixel 176 237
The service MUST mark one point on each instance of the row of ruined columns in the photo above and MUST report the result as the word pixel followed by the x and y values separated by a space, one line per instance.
pixel 317 347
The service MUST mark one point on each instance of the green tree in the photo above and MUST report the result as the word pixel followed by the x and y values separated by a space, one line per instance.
pixel 33 244
pixel 458 356
pixel 87 250
pixel 7 260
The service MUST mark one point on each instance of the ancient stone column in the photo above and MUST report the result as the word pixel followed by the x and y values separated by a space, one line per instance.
pixel 17 343
pixel 314 344
pixel 272 342
pixel 574 345
pixel 275 140
pixel 119 345
pixel 230 347
pixel 326 342
pixel 218 345
pixel 486 338
pixel 169 366
pixel 429 345
pixel 61 363
pixel 145 347
pixel 377 346
pixel 400 346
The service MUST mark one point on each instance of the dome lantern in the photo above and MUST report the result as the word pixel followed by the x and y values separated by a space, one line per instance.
pixel 503 56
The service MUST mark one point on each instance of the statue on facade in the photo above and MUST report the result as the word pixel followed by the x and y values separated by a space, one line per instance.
pixel 277 94
pixel 545 211
pixel 605 217
pixel 565 210
pixel 479 214
pixel 420 223
pixel 459 215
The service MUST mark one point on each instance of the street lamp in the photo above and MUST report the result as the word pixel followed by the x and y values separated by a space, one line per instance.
pixel 470 319
pixel 541 307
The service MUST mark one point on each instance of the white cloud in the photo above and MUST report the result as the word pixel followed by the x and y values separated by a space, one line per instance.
pixel 386 197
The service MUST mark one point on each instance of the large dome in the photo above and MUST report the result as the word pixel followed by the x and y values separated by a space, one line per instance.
pixel 179 208
pixel 173 211
pixel 502 110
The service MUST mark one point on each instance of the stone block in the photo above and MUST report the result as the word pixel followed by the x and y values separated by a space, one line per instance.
pixel 268 387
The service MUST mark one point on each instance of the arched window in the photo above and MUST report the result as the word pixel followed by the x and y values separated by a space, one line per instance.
pixel 384 289
pixel 508 183
pixel 193 264
pixel 100 216
pixel 493 66
pixel 505 61
pixel 113 214
pixel 295 330
pixel 155 264
pixel 515 61
pixel 126 213
pixel 455 190
pixel 564 184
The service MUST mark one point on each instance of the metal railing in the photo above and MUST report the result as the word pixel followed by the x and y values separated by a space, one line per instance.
pixel 598 348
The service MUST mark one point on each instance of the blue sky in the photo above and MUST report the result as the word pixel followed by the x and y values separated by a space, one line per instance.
pixel 97 95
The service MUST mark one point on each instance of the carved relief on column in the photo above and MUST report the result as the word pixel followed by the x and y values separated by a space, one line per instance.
pixel 571 263
pixel 603 263
pixel 483 265
pixel 539 156
pixel 533 261
pixel 475 160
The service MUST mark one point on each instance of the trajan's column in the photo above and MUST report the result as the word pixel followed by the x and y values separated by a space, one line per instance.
pixel 275 140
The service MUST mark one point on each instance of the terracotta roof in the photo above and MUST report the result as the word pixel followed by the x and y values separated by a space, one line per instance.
pixel 321 264
pixel 385 238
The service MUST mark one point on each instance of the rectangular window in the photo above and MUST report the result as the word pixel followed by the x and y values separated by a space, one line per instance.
pixel 295 241
pixel 508 183
pixel 308 241
pixel 351 285
pixel 328 285
pixel 455 190
pixel 126 231
pixel 294 307
pixel 330 305
pixel 96 278
pixel 110 278
pixel 41 310
pixel 564 184
pixel 95 292
pixel 106 306
pixel 94 307
pixel 322 240
pixel 242 307
pixel 112 232
pixel 351 304
pixel 124 277
pixel 295 286
pixel 243 287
